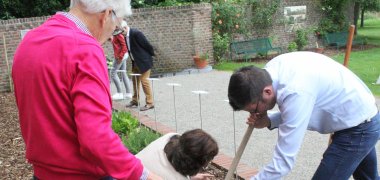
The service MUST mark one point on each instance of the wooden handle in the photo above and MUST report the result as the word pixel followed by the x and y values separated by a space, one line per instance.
pixel 349 45
pixel 239 153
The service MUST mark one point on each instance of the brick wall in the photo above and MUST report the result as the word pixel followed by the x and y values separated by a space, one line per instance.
pixel 176 33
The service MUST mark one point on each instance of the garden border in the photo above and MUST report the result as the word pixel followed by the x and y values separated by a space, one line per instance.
pixel 221 160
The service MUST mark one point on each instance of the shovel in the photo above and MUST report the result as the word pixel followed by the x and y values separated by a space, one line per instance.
pixel 239 152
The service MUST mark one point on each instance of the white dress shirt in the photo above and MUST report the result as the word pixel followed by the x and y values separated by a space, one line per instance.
pixel 314 93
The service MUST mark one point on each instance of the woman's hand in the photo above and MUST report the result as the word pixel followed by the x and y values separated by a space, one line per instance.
pixel 202 176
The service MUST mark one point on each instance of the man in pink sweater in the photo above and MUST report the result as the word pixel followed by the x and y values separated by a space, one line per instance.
pixel 63 96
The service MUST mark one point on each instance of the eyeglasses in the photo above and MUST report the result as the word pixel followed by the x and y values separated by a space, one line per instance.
pixel 114 17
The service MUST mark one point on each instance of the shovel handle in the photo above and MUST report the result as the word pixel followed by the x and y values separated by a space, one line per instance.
pixel 239 153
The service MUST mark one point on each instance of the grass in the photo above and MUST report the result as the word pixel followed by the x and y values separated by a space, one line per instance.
pixel 231 66
pixel 371 31
pixel 365 64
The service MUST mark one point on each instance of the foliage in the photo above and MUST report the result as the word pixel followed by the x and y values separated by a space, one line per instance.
pixel 163 3
pixel 204 56
pixel 263 14
pixel 292 46
pixel 123 123
pixel 221 45
pixel 334 19
pixel 369 5
pixel 21 8
pixel 232 66
pixel 227 18
pixel 109 62
pixel 301 39
pixel 371 31
pixel 138 139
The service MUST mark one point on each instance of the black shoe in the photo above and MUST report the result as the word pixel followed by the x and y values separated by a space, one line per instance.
pixel 131 104
pixel 147 107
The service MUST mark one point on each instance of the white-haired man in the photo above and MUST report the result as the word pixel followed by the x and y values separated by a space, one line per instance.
pixel 63 96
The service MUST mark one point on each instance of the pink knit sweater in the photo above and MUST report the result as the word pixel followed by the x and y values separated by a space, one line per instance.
pixel 63 96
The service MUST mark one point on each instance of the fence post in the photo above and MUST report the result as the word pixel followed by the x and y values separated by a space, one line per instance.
pixel 8 68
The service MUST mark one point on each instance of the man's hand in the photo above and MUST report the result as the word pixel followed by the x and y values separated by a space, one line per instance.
pixel 202 176
pixel 259 120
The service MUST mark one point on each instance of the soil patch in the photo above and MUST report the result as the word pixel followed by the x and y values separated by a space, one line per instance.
pixel 13 164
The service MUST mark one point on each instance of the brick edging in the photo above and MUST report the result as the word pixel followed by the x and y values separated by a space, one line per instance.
pixel 221 160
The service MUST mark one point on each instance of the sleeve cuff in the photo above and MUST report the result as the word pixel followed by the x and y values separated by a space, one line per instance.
pixel 144 175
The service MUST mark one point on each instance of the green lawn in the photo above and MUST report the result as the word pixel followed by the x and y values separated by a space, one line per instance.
pixel 371 31
pixel 365 64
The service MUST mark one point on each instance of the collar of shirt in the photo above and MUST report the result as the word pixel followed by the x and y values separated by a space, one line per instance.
pixel 77 22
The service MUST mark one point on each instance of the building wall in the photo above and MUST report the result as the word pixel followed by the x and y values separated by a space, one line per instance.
pixel 176 33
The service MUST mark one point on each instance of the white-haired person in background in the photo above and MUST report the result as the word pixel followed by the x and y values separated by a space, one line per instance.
pixel 63 96
pixel 120 62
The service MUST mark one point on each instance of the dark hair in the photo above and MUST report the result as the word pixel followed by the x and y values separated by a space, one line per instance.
pixel 246 86
pixel 192 151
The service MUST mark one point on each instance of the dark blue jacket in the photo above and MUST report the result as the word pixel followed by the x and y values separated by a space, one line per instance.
pixel 141 50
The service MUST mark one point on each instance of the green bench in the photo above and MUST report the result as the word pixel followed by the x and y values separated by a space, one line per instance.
pixel 339 39
pixel 254 46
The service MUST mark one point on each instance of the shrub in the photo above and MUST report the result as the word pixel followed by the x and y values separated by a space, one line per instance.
pixel 138 139
pixel 123 123
pixel 292 46
pixel 221 44
pixel 301 39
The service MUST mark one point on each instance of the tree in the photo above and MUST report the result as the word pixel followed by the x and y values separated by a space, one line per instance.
pixel 30 8
pixel 361 6
pixel 368 5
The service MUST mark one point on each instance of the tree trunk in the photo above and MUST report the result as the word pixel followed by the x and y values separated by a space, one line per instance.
pixel 362 19
pixel 356 16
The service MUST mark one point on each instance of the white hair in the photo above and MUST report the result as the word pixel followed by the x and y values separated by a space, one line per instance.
pixel 123 24
pixel 122 8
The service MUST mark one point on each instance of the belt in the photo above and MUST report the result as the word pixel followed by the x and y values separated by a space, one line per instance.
pixel 366 121
pixel 369 119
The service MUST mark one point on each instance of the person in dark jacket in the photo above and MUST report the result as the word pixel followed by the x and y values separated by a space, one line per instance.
pixel 141 52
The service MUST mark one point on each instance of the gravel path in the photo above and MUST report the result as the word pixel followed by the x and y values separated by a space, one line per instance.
pixel 217 119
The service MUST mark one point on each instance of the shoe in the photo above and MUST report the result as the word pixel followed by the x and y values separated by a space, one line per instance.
pixel 131 104
pixel 128 95
pixel 146 107
pixel 117 96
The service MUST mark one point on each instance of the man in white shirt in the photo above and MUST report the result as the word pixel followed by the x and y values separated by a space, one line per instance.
pixel 313 92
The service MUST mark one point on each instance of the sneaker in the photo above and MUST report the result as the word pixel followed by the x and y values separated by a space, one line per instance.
pixel 131 104
pixel 128 95
pixel 117 96
pixel 147 107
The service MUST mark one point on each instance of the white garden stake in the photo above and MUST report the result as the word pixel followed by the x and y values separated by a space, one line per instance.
pixel 175 113
pixel 233 121
pixel 200 104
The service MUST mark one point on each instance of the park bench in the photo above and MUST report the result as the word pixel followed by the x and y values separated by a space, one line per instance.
pixel 339 39
pixel 254 46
